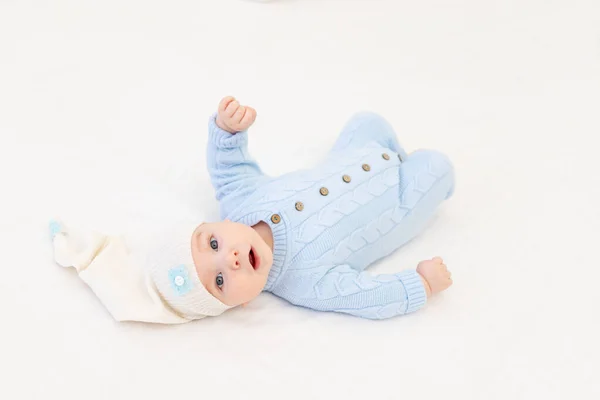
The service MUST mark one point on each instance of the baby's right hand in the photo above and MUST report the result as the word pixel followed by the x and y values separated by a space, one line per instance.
pixel 233 117
pixel 435 274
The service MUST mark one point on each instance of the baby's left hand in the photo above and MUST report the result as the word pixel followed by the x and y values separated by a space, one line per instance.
pixel 233 117
pixel 435 275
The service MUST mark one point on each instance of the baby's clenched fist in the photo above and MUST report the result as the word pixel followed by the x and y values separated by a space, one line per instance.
pixel 233 117
pixel 435 274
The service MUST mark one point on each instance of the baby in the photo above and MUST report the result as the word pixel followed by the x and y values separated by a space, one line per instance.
pixel 306 236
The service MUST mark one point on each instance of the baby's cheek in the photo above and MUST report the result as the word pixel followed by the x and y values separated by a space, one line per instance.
pixel 248 289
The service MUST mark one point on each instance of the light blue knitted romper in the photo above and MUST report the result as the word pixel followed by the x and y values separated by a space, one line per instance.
pixel 365 200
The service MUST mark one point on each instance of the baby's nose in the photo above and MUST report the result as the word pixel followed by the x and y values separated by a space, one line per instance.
pixel 234 260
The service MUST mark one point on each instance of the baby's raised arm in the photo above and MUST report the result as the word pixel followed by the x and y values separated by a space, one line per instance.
pixel 233 172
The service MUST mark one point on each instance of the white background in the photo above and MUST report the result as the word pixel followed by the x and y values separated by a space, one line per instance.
pixel 103 110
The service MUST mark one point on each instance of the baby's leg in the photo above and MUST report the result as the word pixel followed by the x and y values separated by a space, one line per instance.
pixel 365 127
pixel 425 171
pixel 426 180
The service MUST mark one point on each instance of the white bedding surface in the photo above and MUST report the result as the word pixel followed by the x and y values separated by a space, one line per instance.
pixel 103 111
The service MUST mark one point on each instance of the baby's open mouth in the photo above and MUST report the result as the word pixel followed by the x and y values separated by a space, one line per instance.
pixel 252 258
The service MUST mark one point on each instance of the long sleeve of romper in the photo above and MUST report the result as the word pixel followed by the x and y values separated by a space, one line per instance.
pixel 233 172
pixel 347 290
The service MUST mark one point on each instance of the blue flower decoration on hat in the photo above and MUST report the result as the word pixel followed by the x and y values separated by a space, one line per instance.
pixel 180 280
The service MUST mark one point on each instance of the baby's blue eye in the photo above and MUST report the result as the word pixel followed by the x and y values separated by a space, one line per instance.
pixel 220 280
pixel 214 244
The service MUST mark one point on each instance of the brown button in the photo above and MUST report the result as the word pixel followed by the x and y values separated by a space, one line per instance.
pixel 385 156
pixel 299 206
pixel 275 218
pixel 366 167
pixel 346 178
pixel 324 191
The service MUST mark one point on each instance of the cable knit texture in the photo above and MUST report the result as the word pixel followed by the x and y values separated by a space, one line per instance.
pixel 364 201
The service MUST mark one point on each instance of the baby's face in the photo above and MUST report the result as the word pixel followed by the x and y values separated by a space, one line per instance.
pixel 232 261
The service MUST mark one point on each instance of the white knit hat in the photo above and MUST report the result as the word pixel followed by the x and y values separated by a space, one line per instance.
pixel 148 279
